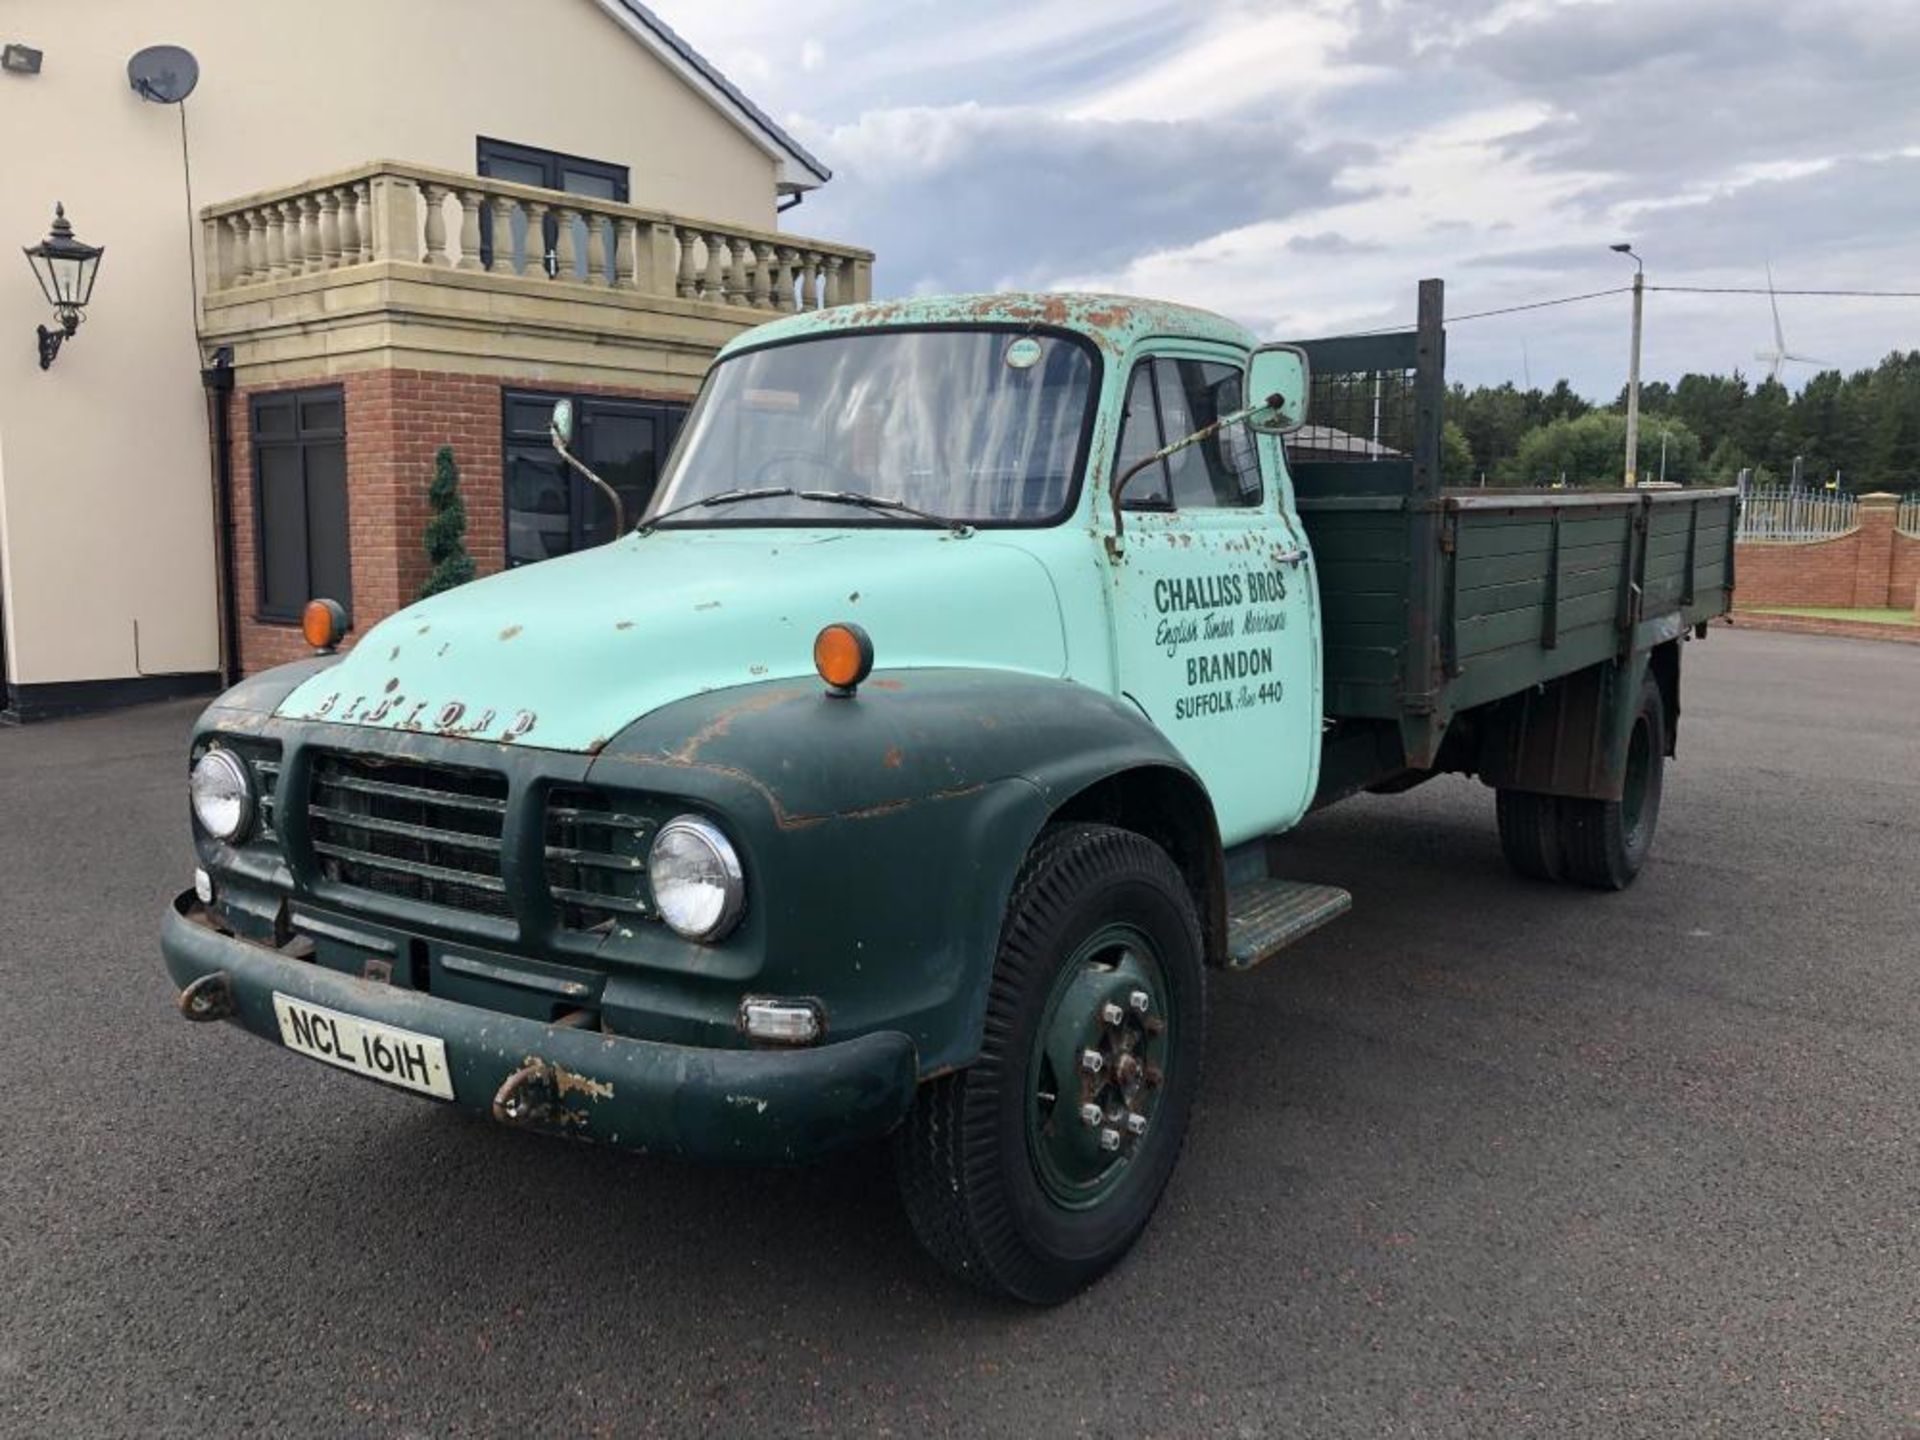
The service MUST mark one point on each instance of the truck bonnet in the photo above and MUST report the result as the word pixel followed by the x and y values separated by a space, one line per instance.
pixel 564 654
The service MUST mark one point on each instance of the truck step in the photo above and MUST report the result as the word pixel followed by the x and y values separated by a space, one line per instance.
pixel 1266 916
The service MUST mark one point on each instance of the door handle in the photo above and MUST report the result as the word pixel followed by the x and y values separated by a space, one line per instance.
pixel 1291 557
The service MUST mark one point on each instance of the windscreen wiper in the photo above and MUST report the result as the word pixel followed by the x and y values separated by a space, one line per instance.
pixel 724 497
pixel 881 502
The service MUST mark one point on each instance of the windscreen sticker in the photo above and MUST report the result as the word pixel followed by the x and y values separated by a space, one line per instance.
pixel 1023 352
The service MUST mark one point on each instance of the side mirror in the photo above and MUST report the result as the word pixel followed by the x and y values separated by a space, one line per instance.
pixel 562 421
pixel 1277 374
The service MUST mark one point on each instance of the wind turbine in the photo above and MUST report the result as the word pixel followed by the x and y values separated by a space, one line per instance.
pixel 1779 355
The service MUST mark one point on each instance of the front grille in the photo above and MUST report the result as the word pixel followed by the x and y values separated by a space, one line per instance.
pixel 596 859
pixel 426 832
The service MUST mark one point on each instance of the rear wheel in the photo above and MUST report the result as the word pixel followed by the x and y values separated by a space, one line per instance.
pixel 1606 841
pixel 1035 1169
pixel 1530 833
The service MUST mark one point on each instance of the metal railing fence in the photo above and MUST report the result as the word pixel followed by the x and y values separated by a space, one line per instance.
pixel 1907 520
pixel 1782 513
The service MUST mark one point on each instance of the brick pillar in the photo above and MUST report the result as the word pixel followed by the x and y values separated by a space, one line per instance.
pixel 1873 556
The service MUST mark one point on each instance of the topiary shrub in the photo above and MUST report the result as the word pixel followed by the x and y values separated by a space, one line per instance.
pixel 446 534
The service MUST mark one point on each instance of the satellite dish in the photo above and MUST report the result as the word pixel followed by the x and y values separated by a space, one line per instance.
pixel 164 74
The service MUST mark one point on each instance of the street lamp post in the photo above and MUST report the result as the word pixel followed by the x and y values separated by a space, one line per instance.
pixel 1633 369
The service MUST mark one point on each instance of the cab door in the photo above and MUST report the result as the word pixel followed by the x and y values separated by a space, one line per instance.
pixel 1214 610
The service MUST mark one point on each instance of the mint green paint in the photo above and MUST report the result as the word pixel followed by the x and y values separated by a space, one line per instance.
pixel 564 654
pixel 591 642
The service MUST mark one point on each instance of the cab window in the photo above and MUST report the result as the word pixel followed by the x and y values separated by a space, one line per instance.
pixel 1168 399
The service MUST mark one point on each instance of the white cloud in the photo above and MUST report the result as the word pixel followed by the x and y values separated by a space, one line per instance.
pixel 1300 164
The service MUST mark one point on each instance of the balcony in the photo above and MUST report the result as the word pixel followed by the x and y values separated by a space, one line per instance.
pixel 399 265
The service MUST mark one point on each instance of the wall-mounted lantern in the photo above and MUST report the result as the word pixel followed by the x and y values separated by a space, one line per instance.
pixel 65 268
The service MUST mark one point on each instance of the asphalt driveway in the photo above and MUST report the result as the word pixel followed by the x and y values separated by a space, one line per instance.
pixel 1486 1158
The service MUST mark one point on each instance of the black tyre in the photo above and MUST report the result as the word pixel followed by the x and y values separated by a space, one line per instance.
pixel 1032 1171
pixel 1606 841
pixel 1530 833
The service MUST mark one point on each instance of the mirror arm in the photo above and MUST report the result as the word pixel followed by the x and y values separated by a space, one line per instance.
pixel 613 495
pixel 1116 540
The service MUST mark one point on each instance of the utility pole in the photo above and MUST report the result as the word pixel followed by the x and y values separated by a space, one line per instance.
pixel 1633 368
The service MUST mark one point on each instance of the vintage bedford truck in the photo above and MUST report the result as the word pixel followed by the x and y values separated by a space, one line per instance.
pixel 907 767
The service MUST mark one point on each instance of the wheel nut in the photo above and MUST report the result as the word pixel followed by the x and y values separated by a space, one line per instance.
pixel 1091 1061
pixel 1112 1014
pixel 1109 1139
pixel 1139 1001
pixel 1090 1115
pixel 1136 1124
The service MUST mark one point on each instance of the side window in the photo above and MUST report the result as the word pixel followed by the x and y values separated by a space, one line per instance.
pixel 1168 399
pixel 1140 437
pixel 1222 471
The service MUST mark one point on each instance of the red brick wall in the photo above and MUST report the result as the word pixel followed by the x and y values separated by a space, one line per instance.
pixel 396 422
pixel 1872 568
pixel 1814 572
pixel 1904 589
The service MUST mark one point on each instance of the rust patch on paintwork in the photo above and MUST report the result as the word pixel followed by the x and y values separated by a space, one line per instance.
pixel 445 645
pixel 721 723
pixel 623 624
pixel 393 685
pixel 393 654
pixel 854 598
pixel 597 744
pixel 423 629
pixel 884 685
pixel 510 632
pixel 535 1095
pixel 892 758
pixel 708 605
pixel 566 1082
pixel 883 808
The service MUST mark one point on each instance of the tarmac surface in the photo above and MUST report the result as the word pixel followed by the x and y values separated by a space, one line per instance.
pixel 1486 1158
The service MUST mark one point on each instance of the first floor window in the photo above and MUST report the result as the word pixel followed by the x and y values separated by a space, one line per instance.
pixel 550 509
pixel 300 500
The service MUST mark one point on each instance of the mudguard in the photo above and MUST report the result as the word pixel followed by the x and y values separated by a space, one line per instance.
pixel 881 833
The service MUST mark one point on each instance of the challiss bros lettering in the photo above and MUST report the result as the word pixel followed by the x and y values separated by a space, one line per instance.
pixel 1216 592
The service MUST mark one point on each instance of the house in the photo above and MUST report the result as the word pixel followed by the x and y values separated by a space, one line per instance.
pixel 285 327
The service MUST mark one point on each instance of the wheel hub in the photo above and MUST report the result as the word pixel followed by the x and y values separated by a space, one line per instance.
pixel 1099 1066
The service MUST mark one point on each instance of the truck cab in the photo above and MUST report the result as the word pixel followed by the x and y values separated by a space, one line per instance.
pixel 902 773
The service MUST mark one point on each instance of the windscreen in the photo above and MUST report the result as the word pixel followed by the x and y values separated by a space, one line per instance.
pixel 969 425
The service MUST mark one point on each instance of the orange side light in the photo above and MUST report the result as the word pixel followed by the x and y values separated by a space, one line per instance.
pixel 843 654
pixel 323 622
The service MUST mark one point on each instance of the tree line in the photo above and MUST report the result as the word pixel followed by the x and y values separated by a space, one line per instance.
pixel 1863 427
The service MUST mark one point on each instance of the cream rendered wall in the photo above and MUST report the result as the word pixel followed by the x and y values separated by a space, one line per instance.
pixel 105 484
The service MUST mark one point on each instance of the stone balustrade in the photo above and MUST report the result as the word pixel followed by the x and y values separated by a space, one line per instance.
pixel 391 212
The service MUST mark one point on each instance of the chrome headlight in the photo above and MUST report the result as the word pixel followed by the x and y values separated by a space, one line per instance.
pixel 696 878
pixel 222 791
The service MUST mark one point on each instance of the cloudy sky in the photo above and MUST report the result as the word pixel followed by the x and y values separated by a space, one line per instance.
pixel 1299 164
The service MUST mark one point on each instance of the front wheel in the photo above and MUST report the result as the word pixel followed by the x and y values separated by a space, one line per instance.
pixel 1032 1171
pixel 1605 842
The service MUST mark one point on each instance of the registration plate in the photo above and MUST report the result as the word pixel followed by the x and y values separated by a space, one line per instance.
pixel 366 1047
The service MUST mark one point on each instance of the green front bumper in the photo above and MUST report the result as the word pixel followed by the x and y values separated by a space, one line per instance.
pixel 747 1105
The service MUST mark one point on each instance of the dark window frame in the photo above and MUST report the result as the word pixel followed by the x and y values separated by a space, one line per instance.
pixel 299 439
pixel 670 414
pixel 553 163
